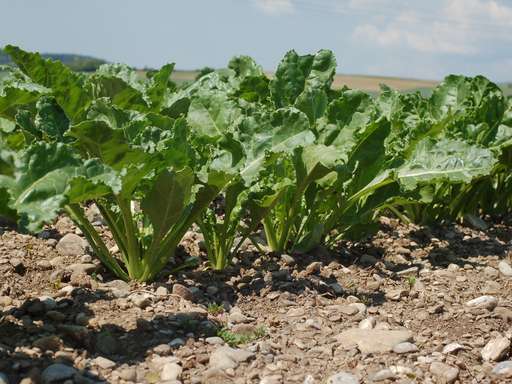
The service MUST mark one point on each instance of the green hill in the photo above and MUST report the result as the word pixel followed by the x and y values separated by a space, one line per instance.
pixel 75 62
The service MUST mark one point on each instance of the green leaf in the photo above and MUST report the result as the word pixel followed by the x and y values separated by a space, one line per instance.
pixel 165 203
pixel 69 88
pixel 448 161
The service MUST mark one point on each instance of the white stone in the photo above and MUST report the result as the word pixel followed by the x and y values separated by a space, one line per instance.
pixel 505 268
pixel 495 349
pixel 373 340
pixel 488 302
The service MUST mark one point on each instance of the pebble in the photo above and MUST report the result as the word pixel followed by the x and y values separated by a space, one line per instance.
pixel 171 371
pixel 182 291
pixel 405 348
pixel 452 348
pixel 71 245
pixel 214 340
pixel 163 349
pixel 505 268
pixel 103 362
pixel 343 378
pixel 491 273
pixel 488 302
pixel 446 373
pixel 287 259
pixel 5 301
pixel 141 300
pixel 368 323
pixel 314 267
pixel 57 372
pixel 272 379
pixel 162 291
pixel 236 316
pixel 227 357
pixel 383 374
pixel 128 374
pixel 48 343
pixel 176 343
pixel 81 268
pixel 118 288
pixel 373 340
pixel 503 369
pixel 495 349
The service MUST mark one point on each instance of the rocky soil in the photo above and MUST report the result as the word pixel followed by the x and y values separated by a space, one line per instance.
pixel 409 305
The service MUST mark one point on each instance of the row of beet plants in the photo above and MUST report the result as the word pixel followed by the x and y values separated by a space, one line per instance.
pixel 236 152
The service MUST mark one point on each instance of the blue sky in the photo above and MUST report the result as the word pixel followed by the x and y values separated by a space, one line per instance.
pixel 379 37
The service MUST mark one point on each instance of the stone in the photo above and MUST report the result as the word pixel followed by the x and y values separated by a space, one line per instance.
pixel 452 348
pixel 106 343
pixel 491 287
pixel 504 313
pixel 182 291
pixel 495 349
pixel 48 343
pixel 395 294
pixel 128 374
pixel 162 291
pixel 82 319
pixel 444 372
pixel 272 379
pixel 314 268
pixel 368 323
pixel 103 362
pixel 236 316
pixel 141 300
pixel 57 372
pixel 71 245
pixel 373 340
pixel 367 260
pixel 214 340
pixel 176 343
pixel 171 371
pixel 383 374
pixel 505 268
pixel 343 378
pixel 491 273
pixel 163 350
pixel 82 268
pixel 405 348
pixel 3 378
pixel 5 301
pixel 487 302
pixel 287 259
pixel 226 357
pixel 503 369
pixel 118 288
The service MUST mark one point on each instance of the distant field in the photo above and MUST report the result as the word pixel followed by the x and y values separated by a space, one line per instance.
pixel 369 84
pixel 365 83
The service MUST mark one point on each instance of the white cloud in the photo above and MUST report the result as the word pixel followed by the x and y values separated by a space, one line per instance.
pixel 275 7
pixel 457 27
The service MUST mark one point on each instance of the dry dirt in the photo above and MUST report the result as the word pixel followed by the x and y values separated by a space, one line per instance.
pixel 66 320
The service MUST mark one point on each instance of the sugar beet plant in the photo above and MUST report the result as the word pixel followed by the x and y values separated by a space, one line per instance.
pixel 235 151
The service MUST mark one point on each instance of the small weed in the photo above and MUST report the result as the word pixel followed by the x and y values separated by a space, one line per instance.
pixel 57 284
pixel 215 309
pixel 234 339
pixel 411 280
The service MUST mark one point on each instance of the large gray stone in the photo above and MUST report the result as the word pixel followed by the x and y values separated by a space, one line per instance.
pixel 226 357
pixel 71 245
pixel 373 340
